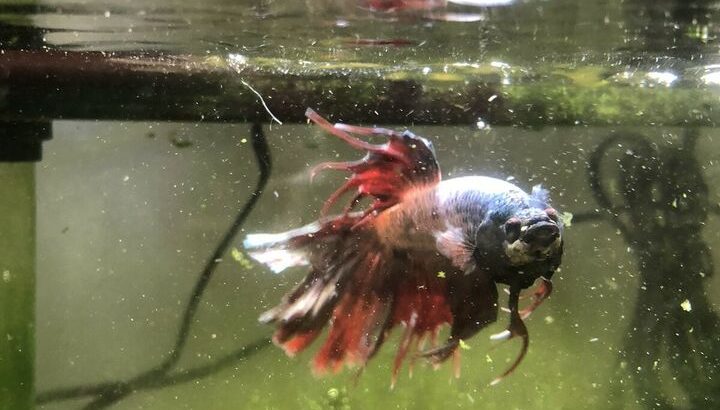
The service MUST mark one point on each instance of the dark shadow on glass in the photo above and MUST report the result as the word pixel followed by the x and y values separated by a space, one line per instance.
pixel 106 394
pixel 660 203
pixel 22 141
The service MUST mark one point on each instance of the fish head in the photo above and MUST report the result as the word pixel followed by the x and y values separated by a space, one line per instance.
pixel 533 236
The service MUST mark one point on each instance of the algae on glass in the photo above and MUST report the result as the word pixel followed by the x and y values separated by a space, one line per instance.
pixel 17 285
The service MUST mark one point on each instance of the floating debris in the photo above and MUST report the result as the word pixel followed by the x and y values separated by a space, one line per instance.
pixel 566 218
pixel 241 258
pixel 181 141
pixel 686 305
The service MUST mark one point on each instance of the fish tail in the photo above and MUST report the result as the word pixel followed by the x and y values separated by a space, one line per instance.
pixel 343 287
pixel 280 251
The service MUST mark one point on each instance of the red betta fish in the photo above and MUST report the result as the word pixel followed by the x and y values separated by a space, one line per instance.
pixel 424 253
pixel 397 5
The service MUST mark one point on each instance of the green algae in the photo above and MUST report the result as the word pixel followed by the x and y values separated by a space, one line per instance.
pixel 17 285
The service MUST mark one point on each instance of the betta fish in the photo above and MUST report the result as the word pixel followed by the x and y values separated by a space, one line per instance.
pixel 423 253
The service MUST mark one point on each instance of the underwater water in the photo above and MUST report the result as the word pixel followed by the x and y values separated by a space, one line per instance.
pixel 113 292
pixel 114 275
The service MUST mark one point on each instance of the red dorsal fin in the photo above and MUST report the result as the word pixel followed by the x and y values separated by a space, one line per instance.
pixel 387 170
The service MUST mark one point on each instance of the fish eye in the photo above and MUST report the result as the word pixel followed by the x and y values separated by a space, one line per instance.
pixel 552 214
pixel 512 229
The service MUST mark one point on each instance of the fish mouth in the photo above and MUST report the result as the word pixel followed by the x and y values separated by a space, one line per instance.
pixel 538 241
pixel 541 234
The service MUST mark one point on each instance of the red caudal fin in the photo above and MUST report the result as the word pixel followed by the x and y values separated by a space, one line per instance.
pixel 356 287
pixel 325 245
pixel 346 268
pixel 359 290
pixel 386 171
